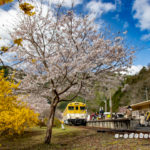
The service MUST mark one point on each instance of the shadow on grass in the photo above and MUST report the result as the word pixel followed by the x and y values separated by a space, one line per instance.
pixel 18 142
pixel 71 139
pixel 33 139
pixel 28 133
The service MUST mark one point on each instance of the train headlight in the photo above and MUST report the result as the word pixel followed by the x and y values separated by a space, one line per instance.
pixel 68 116
pixel 82 116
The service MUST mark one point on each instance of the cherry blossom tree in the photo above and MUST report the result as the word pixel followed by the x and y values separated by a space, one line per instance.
pixel 62 52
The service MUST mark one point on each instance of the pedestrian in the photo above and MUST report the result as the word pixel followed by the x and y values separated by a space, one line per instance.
pixel 129 112
pixel 142 120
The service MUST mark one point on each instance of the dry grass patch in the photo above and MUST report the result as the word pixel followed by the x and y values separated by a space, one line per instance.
pixel 72 138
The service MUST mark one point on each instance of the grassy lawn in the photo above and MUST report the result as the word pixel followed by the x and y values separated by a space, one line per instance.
pixel 72 138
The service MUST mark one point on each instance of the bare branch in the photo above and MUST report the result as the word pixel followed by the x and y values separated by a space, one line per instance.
pixel 73 96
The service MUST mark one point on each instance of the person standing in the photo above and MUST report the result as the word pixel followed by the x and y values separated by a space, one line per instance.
pixel 142 120
pixel 129 112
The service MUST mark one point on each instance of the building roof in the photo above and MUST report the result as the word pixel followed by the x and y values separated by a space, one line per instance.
pixel 141 104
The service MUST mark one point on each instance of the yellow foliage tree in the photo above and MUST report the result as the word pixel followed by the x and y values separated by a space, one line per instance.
pixel 18 42
pixel 15 115
pixel 2 2
pixel 27 9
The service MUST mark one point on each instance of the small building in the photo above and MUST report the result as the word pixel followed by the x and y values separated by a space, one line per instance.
pixel 142 106
pixel 139 108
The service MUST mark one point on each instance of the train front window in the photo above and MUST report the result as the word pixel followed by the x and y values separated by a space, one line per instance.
pixel 82 108
pixel 76 107
pixel 70 108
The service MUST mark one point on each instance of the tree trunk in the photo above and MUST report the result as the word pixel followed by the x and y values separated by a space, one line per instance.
pixel 110 106
pixel 50 124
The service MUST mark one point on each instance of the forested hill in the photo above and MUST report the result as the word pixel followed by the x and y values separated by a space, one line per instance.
pixel 134 89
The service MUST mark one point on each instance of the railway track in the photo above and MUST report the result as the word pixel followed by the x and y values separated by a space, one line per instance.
pixel 136 130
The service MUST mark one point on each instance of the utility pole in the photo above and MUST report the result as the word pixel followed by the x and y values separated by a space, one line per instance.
pixel 110 103
pixel 105 105
pixel 146 92
pixel 84 101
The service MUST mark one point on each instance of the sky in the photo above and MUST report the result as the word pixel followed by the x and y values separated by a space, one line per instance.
pixel 132 16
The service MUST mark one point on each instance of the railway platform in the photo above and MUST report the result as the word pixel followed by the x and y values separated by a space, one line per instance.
pixel 120 124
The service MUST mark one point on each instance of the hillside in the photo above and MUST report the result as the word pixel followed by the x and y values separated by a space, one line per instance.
pixel 134 89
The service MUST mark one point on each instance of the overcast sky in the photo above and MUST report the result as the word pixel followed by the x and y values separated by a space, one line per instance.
pixel 121 15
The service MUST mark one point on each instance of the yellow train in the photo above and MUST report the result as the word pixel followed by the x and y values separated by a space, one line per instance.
pixel 75 114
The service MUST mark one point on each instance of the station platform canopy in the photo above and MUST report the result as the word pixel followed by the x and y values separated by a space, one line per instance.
pixel 145 106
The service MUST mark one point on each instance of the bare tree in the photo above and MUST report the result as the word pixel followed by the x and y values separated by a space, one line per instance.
pixel 61 53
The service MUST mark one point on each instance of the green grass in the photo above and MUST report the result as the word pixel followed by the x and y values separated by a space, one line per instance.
pixel 34 137
pixel 72 138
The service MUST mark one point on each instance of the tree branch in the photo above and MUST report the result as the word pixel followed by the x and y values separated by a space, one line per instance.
pixel 73 96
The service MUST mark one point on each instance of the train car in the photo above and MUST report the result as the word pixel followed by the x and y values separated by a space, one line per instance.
pixel 75 114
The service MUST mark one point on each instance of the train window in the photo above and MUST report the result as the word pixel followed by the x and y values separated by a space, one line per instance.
pixel 70 108
pixel 82 108
pixel 76 107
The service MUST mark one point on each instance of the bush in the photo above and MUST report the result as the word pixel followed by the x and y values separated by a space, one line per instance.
pixel 57 123
pixel 15 115
pixel 42 122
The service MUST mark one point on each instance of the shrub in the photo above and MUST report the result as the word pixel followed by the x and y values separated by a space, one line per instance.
pixel 15 115
pixel 43 122
pixel 57 123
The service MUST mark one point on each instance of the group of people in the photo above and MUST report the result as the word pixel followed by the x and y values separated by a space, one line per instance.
pixel 144 118
pixel 99 116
